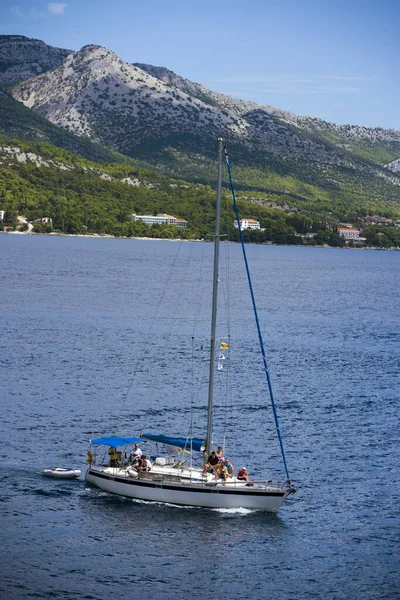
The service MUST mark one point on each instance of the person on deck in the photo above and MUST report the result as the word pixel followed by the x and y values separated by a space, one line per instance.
pixel 115 456
pixel 220 454
pixel 212 462
pixel 229 467
pixel 135 454
pixel 243 475
pixel 145 464
pixel 222 472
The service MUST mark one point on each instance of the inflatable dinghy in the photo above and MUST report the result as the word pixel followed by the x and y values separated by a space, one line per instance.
pixel 61 473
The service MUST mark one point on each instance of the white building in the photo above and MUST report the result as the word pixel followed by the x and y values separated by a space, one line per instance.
pixel 43 220
pixel 349 233
pixel 247 224
pixel 2 213
pixel 181 223
pixel 160 219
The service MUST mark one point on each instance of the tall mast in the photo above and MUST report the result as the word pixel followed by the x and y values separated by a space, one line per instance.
pixel 214 302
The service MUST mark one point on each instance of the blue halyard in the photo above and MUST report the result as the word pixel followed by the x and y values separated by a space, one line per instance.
pixel 271 393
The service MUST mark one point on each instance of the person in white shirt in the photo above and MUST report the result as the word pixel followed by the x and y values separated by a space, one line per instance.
pixel 135 454
pixel 145 464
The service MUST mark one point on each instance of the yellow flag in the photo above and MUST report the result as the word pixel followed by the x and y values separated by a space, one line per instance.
pixel 224 346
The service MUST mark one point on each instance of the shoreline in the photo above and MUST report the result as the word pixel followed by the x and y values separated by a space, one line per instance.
pixel 114 237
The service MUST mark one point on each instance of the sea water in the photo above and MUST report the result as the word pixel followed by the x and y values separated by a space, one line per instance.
pixel 92 343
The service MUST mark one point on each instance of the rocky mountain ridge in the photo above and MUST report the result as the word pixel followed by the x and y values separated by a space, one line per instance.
pixel 241 107
pixel 22 57
pixel 394 166
pixel 170 124
pixel 96 94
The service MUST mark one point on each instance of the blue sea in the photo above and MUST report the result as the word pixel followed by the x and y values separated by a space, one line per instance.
pixel 98 337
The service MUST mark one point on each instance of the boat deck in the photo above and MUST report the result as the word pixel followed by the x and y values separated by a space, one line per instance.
pixel 190 477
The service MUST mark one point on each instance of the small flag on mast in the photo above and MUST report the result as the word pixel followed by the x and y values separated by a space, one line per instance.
pixel 220 367
pixel 224 346
pixel 221 356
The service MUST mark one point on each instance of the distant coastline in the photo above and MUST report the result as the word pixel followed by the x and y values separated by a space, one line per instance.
pixel 114 237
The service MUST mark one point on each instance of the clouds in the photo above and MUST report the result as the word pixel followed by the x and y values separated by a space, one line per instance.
pixel 57 8
pixel 17 12
pixel 52 9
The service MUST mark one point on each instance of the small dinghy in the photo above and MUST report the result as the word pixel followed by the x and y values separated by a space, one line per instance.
pixel 61 473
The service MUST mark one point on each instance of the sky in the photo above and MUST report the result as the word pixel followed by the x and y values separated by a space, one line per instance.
pixel 337 60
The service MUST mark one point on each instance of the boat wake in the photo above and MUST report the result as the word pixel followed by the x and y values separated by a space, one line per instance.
pixel 226 511
pixel 169 504
pixel 234 511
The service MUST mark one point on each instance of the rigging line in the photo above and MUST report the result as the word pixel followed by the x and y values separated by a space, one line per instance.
pixel 226 289
pixel 224 270
pixel 172 318
pixel 201 378
pixel 236 407
pixel 192 393
pixel 198 295
pixel 195 323
pixel 144 348
pixel 271 393
pixel 228 318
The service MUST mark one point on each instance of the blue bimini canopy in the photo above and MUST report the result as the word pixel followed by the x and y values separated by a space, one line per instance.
pixel 180 442
pixel 115 441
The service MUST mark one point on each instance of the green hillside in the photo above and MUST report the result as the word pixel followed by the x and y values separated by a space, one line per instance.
pixel 307 187
pixel 341 192
pixel 75 193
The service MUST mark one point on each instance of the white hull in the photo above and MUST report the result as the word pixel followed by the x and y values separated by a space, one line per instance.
pixel 154 487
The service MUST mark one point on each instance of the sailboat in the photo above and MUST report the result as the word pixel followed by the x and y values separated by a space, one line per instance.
pixel 170 479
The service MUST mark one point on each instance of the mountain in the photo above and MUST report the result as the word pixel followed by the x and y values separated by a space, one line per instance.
pixel 170 124
pixel 95 93
pixel 21 123
pixel 375 144
pixel 22 58
pixel 345 136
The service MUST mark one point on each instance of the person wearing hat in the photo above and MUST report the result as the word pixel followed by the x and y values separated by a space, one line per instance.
pixel 243 475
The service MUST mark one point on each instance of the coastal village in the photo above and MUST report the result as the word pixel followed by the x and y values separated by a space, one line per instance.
pixel 347 230
pixel 352 234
